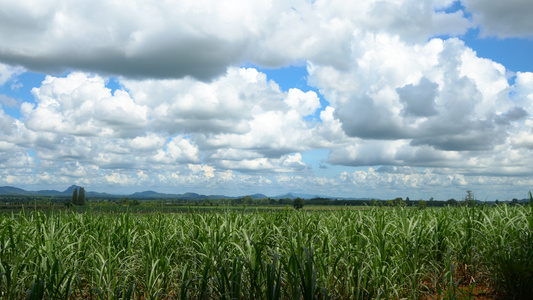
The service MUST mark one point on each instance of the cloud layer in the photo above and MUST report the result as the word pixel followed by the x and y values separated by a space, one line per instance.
pixel 202 38
pixel 397 98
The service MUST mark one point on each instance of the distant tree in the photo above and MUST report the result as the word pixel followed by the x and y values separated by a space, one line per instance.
pixel 81 197
pixel 248 200
pixel 74 199
pixel 399 202
pixel 373 202
pixel 470 199
pixel 285 201
pixel 298 203
pixel 421 204
pixel 451 202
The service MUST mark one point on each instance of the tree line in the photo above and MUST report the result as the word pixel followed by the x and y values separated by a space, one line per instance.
pixel 78 198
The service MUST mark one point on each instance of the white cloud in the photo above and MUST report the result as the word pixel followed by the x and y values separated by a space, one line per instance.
pixel 304 103
pixel 433 104
pixel 185 115
pixel 8 72
pixel 223 105
pixel 284 164
pixel 149 142
pixel 206 171
pixel 201 39
pixel 504 19
pixel 240 122
pixel 140 39
pixel 81 105
pixel 178 150
pixel 7 101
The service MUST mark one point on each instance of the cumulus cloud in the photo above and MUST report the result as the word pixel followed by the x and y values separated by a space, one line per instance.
pixel 178 150
pixel 185 114
pixel 403 182
pixel 502 19
pixel 144 39
pixel 171 131
pixel 8 72
pixel 419 100
pixel 434 104
pixel 201 39
pixel 81 105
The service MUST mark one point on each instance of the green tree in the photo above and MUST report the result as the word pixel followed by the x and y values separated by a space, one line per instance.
pixel 81 197
pixel 451 202
pixel 74 199
pixel 470 199
pixel 248 200
pixel 421 204
pixel 298 203
pixel 398 202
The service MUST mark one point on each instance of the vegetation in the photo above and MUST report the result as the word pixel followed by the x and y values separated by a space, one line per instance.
pixel 298 203
pixel 375 253
pixel 78 198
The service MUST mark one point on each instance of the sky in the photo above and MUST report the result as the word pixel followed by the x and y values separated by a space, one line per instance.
pixel 370 98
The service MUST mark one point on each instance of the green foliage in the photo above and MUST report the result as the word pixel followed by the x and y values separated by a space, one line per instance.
pixel 298 203
pixel 74 199
pixel 421 204
pixel 81 197
pixel 512 268
pixel 78 198
pixel 399 202
pixel 374 253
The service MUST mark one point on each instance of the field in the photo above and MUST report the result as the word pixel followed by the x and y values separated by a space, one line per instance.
pixel 439 253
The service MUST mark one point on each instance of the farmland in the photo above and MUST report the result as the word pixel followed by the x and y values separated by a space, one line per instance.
pixel 375 253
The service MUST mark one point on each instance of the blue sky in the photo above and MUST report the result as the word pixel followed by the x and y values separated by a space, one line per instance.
pixel 377 99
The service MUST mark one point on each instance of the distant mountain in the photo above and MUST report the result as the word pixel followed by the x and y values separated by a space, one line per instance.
pixel 191 196
pixel 6 190
pixel 71 189
pixel 258 196
pixel 48 193
pixel 10 190
pixel 297 195
pixel 147 194
pixel 156 195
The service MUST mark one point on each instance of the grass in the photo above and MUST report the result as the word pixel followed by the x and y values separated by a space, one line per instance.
pixel 445 253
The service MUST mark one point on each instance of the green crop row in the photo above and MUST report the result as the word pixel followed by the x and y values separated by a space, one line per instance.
pixel 346 254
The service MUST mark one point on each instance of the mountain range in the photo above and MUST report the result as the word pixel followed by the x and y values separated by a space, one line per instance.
pixel 10 190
